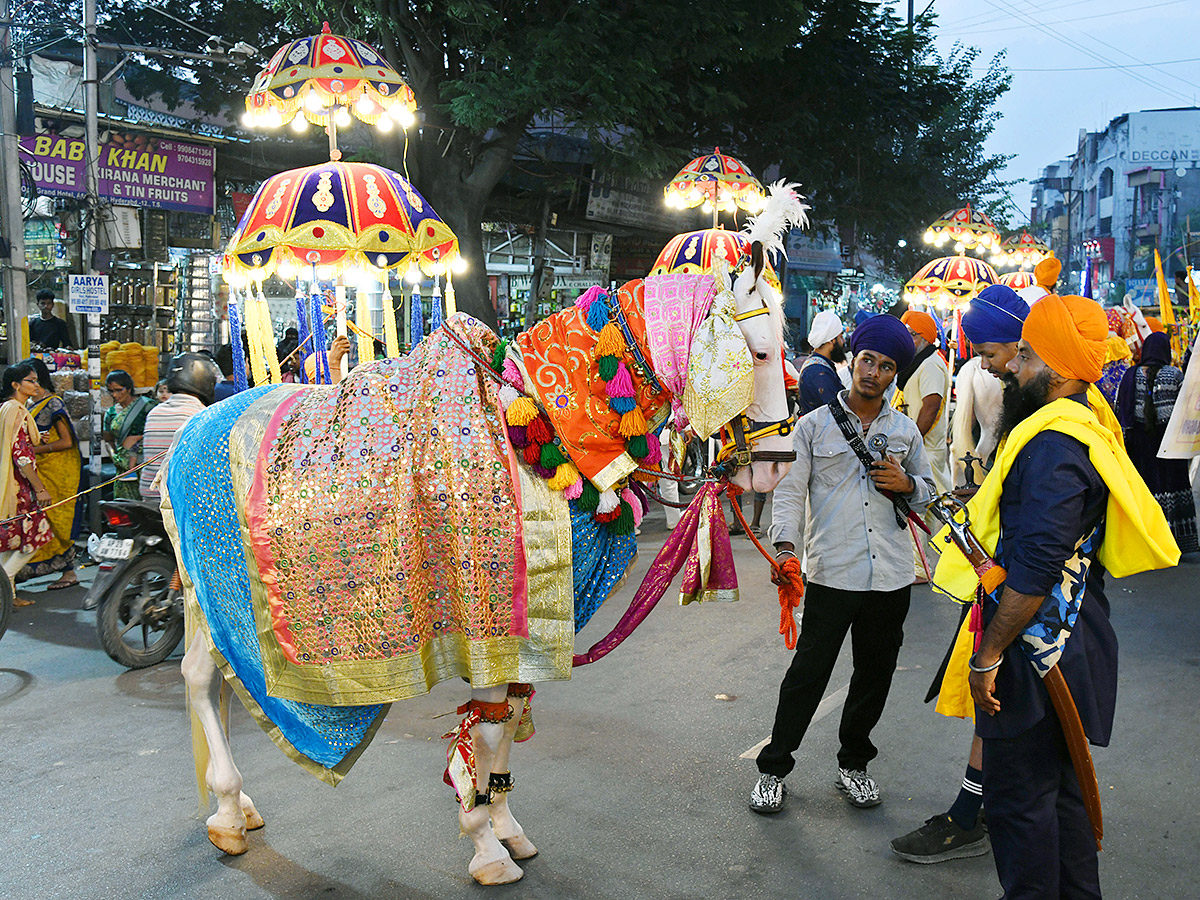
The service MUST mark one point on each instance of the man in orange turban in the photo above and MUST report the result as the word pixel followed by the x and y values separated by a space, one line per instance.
pixel 922 392
pixel 1051 515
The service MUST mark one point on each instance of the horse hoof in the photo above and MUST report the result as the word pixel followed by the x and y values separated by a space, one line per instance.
pixel 228 840
pixel 500 871
pixel 254 819
pixel 519 847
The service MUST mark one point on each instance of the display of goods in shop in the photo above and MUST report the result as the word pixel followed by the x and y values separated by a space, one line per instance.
pixel 718 181
pixel 968 226
pixel 336 215
pixel 326 75
pixel 138 360
pixel 949 281
pixel 694 252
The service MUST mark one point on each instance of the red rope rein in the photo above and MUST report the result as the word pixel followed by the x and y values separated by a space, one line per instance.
pixel 786 575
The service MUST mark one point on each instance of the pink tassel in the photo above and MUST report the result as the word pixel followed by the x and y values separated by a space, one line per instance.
pixel 635 505
pixel 512 375
pixel 654 457
pixel 588 297
pixel 574 490
pixel 621 384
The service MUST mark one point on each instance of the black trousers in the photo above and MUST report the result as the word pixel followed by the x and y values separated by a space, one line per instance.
pixel 875 620
pixel 1041 837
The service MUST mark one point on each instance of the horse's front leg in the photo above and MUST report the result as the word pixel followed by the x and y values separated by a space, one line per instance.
pixel 235 811
pixel 500 783
pixel 492 863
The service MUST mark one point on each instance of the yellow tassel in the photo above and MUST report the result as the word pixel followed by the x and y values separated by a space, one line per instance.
pixel 521 411
pixel 632 423
pixel 258 362
pixel 564 477
pixel 451 305
pixel 391 338
pixel 611 342
pixel 993 578
pixel 267 334
pixel 362 318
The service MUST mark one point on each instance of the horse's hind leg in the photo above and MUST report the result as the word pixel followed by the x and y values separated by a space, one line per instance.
pixel 505 826
pixel 492 863
pixel 235 812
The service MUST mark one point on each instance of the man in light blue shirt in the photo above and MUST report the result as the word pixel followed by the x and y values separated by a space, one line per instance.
pixel 858 552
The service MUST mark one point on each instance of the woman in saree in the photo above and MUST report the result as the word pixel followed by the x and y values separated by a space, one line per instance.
pixel 24 528
pixel 124 423
pixel 59 465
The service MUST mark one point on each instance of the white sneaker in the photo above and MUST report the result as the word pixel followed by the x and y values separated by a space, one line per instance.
pixel 767 796
pixel 859 787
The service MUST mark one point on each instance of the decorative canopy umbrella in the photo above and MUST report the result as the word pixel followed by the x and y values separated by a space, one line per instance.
pixel 336 215
pixel 968 227
pixel 1018 280
pixel 323 79
pixel 1022 250
pixel 949 281
pixel 717 181
pixel 694 251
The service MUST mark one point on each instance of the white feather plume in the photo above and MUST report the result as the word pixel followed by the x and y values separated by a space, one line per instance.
pixel 785 209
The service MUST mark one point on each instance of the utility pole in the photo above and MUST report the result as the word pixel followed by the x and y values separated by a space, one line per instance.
pixel 91 212
pixel 14 285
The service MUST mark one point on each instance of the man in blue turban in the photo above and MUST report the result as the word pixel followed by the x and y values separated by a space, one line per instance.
pixel 992 323
pixel 831 509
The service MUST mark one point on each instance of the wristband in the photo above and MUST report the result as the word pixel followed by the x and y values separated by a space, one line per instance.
pixel 981 669
pixel 779 553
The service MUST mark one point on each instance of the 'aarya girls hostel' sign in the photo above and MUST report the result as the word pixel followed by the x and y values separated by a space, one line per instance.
pixel 147 172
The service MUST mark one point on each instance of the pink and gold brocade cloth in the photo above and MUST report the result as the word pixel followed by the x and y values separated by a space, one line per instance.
pixel 676 305
pixel 386 520
pixel 558 362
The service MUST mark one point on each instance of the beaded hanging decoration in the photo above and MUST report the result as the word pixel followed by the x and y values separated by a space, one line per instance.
pixel 531 432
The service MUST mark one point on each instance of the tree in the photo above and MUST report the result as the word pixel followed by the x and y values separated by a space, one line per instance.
pixel 636 77
pixel 885 133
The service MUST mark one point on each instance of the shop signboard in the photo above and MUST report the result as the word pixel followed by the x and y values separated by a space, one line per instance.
pixel 135 170
pixel 88 293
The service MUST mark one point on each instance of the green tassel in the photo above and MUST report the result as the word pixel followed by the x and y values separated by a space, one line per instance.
pixel 589 499
pixel 622 524
pixel 638 447
pixel 498 355
pixel 607 366
pixel 552 457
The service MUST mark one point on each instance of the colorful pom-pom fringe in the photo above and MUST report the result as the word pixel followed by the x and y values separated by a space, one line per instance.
pixel 608 502
pixel 539 430
pixel 638 446
pixel 574 490
pixel 517 436
pixel 622 405
pixel 512 375
pixel 632 423
pixel 565 475
pixel 621 384
pixel 589 497
pixel 522 412
pixel 597 314
pixel 607 367
pixel 611 342
pixel 532 453
pixel 552 457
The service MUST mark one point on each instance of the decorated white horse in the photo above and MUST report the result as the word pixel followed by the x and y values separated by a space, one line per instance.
pixel 461 512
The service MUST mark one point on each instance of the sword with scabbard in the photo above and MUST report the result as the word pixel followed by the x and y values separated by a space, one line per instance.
pixel 952 512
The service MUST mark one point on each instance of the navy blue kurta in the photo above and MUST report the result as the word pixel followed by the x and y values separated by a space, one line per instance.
pixel 1053 497
pixel 819 383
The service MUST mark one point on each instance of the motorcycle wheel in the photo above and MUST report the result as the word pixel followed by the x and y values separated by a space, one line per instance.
pixel 6 603
pixel 139 621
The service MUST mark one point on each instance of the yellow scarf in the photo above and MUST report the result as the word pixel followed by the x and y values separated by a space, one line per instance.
pixel 1136 536
pixel 12 416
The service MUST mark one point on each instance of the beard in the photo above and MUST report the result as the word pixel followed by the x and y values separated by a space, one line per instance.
pixel 1022 402
pixel 837 353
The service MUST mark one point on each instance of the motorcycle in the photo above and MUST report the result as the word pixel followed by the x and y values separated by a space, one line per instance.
pixel 6 603
pixel 137 590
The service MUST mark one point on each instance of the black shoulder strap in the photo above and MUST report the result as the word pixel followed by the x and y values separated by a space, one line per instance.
pixel 854 439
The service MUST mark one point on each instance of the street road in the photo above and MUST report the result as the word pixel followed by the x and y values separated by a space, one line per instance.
pixel 635 785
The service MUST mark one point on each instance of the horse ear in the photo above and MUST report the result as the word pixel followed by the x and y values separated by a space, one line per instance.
pixel 756 258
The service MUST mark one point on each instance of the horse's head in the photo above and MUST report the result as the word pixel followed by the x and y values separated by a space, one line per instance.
pixel 766 423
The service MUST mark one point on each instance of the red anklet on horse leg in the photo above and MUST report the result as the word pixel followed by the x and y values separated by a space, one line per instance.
pixel 489 713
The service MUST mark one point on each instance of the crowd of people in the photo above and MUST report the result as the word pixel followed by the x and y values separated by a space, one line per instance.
pixel 1073 489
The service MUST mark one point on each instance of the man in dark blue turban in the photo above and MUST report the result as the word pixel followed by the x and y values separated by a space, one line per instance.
pixel 992 323
pixel 831 509
pixel 885 335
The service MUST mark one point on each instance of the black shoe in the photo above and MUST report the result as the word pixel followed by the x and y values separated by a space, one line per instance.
pixel 940 839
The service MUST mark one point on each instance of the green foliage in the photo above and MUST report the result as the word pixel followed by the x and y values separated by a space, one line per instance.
pixel 883 132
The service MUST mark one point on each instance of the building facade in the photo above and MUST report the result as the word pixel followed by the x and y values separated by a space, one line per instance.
pixel 1127 190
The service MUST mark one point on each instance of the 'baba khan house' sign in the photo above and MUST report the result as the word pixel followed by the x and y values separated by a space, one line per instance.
pixel 135 170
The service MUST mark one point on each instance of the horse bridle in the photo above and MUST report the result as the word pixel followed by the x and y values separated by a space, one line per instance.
pixel 747 431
